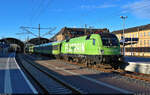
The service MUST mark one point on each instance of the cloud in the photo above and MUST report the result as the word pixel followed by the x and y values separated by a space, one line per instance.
pixel 97 6
pixel 139 8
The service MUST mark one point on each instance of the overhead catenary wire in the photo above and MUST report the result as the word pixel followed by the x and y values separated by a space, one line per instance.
pixel 36 10
pixel 42 8
pixel 36 28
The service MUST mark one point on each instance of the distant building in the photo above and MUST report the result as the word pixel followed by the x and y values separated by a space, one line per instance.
pixel 134 47
pixel 67 33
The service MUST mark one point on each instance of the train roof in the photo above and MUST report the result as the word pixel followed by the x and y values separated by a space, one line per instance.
pixel 47 44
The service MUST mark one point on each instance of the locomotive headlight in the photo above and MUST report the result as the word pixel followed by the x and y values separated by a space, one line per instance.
pixel 102 51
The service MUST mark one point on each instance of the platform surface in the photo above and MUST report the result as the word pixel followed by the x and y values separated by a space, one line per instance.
pixel 138 64
pixel 12 78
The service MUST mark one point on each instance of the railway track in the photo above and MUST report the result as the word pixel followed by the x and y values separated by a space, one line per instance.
pixel 104 68
pixel 116 74
pixel 49 84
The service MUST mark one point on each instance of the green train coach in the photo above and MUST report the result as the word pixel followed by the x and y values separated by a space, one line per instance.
pixel 91 49
pixel 48 48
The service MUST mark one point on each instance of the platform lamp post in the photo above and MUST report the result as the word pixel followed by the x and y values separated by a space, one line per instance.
pixel 123 18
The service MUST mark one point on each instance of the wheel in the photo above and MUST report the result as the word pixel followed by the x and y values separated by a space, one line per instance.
pixel 57 57
pixel 115 65
pixel 78 60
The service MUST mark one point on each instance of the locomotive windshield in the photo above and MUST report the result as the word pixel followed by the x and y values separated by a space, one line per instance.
pixel 109 39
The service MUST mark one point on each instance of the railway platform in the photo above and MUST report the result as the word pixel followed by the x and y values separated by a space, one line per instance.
pixel 88 80
pixel 138 64
pixel 12 78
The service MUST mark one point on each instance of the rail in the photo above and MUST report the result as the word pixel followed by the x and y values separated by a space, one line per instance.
pixel 45 91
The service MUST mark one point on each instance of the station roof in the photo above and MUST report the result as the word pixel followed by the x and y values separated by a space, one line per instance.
pixel 35 41
pixel 13 41
pixel 133 29
pixel 78 31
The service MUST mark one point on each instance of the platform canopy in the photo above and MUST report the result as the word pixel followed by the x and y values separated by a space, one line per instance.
pixel 12 41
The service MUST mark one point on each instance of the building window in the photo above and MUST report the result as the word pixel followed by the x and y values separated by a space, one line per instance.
pixel 141 34
pixel 137 35
pixel 133 36
pixel 148 33
pixel 144 34
pixel 140 42
pixel 149 42
pixel 144 42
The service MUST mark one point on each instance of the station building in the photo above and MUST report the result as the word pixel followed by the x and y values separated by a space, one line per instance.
pixel 68 33
pixel 140 47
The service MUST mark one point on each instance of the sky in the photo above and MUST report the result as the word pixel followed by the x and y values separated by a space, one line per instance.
pixel 56 14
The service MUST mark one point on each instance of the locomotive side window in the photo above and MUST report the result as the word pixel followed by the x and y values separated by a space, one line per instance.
pixel 109 39
pixel 93 41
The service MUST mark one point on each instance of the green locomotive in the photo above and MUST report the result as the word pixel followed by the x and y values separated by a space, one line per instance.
pixel 92 49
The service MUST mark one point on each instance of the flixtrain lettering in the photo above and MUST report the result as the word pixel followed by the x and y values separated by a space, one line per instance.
pixel 75 47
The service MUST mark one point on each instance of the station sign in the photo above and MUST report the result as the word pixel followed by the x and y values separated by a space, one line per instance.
pixel 131 39
pixel 128 39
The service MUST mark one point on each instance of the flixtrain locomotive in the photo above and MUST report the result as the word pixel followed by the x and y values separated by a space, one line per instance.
pixel 92 49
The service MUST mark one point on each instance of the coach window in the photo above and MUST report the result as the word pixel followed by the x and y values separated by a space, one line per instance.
pixel 50 47
pixel 55 47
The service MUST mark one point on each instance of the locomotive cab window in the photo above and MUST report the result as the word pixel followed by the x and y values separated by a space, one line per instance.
pixel 109 39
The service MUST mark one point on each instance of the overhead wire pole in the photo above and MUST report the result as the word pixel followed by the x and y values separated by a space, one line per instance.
pixel 85 29
pixel 123 18
pixel 39 31
pixel 39 34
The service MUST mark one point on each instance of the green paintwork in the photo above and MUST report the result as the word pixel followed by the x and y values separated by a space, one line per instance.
pixel 80 45
pixel 57 51
pixel 48 48
pixel 31 49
